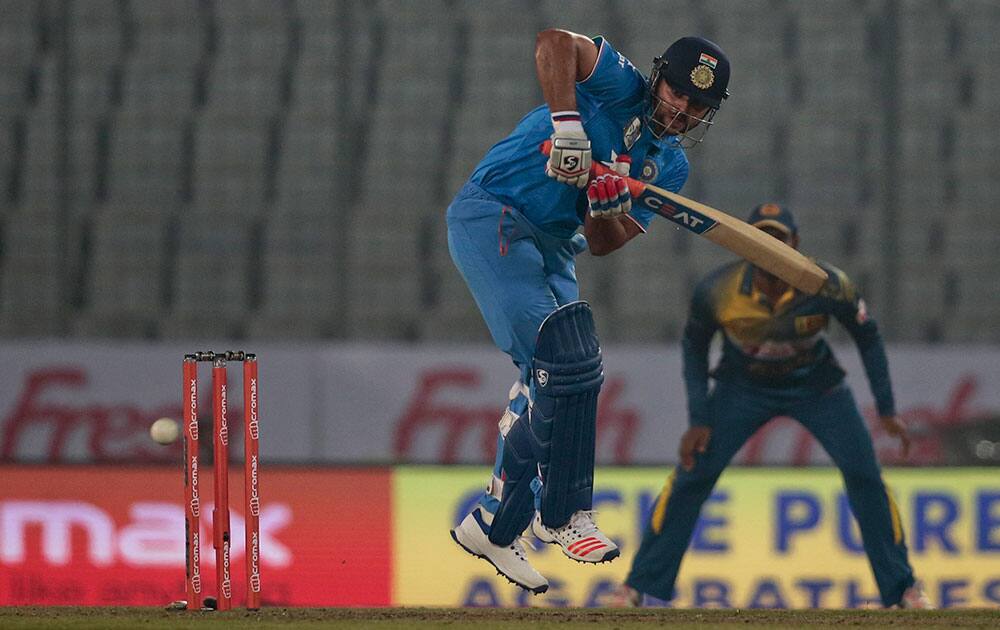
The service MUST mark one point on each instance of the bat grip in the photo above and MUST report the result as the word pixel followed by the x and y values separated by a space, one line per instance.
pixel 597 169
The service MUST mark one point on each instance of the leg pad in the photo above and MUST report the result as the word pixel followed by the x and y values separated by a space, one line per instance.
pixel 567 373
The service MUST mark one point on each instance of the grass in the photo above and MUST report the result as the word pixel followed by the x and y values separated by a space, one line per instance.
pixel 488 618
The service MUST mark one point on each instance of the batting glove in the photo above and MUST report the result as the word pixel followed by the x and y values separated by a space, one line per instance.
pixel 622 164
pixel 608 196
pixel 569 160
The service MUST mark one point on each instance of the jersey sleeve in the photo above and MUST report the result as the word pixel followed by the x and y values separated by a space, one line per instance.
pixel 675 175
pixel 698 332
pixel 614 81
pixel 847 305
pixel 641 216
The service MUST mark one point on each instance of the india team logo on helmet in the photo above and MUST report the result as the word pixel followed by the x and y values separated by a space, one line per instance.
pixel 702 77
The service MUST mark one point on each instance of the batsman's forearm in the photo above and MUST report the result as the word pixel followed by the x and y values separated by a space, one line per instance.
pixel 556 65
pixel 604 235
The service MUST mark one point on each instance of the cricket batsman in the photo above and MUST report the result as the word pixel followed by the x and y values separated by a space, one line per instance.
pixel 776 362
pixel 513 234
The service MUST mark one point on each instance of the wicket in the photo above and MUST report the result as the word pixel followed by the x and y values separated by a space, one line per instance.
pixel 221 540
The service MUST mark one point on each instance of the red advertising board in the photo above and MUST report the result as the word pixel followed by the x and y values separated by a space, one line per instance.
pixel 103 535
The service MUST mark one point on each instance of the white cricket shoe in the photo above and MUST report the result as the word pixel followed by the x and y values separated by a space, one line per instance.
pixel 579 538
pixel 915 598
pixel 509 561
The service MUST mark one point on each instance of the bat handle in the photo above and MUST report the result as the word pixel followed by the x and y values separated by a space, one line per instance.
pixel 635 187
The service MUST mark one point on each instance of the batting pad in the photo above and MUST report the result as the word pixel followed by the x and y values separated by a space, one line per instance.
pixel 567 374
pixel 518 468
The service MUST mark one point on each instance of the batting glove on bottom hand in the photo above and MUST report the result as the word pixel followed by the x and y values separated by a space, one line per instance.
pixel 609 197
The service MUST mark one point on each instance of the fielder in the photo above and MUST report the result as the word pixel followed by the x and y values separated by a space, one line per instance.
pixel 776 362
pixel 512 232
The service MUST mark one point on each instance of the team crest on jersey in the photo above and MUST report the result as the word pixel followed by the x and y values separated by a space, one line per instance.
pixel 650 171
pixel 631 132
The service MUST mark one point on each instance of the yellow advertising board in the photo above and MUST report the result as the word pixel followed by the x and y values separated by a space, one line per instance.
pixel 767 538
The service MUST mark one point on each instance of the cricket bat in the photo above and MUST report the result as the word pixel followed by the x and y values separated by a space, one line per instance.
pixel 737 236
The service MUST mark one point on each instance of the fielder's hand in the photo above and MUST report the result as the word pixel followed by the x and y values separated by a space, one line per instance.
pixel 570 158
pixel 609 197
pixel 895 428
pixel 695 440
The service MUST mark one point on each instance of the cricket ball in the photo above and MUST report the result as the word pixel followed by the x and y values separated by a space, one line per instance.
pixel 165 431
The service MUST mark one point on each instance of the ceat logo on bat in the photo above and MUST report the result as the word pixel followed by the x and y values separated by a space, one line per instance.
pixel 690 219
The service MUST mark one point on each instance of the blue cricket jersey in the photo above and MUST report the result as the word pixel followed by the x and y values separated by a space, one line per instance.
pixel 611 103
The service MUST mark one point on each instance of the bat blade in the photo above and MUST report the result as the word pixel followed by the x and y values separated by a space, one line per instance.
pixel 739 237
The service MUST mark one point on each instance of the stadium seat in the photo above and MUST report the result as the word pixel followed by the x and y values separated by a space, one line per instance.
pixel 313 163
pixel 168 93
pixel 19 50
pixel 654 281
pixel 213 274
pixel 303 275
pixel 316 136
pixel 925 58
pixel 835 43
pixel 96 34
pixel 581 16
pixel 249 93
pixel 127 271
pixel 32 293
pixel 231 161
pixel 39 179
pixel 146 162
pixel 450 312
pixel 168 34
pixel 386 277
pixel 647 36
pixel 302 261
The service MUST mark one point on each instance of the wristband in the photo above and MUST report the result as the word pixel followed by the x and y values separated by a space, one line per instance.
pixel 567 121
